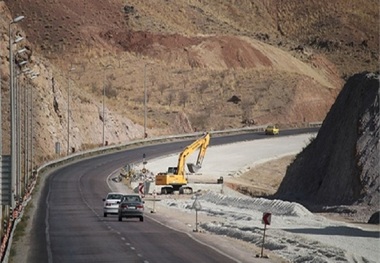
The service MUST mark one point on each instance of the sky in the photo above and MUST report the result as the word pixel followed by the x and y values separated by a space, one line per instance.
pixel 294 234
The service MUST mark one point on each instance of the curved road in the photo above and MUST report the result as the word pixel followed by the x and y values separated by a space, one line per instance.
pixel 69 225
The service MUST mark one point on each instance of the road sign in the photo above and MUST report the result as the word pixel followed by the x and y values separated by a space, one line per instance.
pixel 141 188
pixel 197 205
pixel 144 161
pixel 5 180
pixel 266 218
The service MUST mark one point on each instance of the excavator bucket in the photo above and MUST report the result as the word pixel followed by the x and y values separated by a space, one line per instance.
pixel 193 168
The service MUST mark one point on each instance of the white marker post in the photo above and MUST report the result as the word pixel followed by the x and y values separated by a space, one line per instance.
pixel 197 206
pixel 154 202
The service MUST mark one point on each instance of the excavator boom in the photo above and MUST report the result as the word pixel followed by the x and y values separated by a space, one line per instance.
pixel 201 144
pixel 176 176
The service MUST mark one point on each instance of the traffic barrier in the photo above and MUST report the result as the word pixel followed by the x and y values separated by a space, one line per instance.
pixel 17 215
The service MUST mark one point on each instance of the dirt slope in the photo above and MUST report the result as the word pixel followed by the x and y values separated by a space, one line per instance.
pixel 338 29
pixel 191 57
pixel 282 60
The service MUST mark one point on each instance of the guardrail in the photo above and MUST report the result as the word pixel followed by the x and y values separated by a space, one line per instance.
pixel 113 148
pixel 18 211
pixel 119 147
pixel 315 124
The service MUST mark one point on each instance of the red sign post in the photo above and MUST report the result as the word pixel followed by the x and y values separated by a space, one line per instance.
pixel 266 221
pixel 267 218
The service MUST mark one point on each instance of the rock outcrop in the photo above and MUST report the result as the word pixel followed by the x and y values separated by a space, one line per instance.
pixel 341 165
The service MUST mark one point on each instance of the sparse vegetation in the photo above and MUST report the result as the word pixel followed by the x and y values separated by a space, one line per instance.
pixel 258 52
pixel 170 98
pixel 21 228
pixel 183 98
pixel 246 107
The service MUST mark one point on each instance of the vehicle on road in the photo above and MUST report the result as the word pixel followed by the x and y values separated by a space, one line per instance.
pixel 131 206
pixel 111 203
pixel 272 130
pixel 175 177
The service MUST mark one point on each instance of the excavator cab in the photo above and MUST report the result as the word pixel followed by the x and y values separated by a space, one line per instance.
pixel 172 170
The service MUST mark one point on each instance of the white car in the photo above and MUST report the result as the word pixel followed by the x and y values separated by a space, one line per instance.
pixel 111 203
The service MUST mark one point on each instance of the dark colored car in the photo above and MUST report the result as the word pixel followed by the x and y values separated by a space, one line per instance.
pixel 131 206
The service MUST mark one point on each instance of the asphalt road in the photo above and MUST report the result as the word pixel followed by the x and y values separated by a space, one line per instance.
pixel 70 227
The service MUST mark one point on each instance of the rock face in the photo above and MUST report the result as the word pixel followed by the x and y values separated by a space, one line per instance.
pixel 374 218
pixel 341 165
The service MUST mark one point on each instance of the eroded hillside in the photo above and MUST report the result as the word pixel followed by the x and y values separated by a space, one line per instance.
pixel 345 32
pixel 192 57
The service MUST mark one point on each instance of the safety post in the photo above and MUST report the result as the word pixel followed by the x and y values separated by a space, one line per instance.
pixel 266 221
pixel 196 220
pixel 197 206
pixel 262 246
pixel 154 202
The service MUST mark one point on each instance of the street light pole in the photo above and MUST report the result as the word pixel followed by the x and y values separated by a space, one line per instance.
pixel 27 131
pixel 25 107
pixel 12 108
pixel 1 143
pixel 145 99
pixel 105 84
pixel 68 112
pixel 68 116
pixel 19 102
pixel 18 133
pixel 31 127
pixel 104 117
pixel 26 134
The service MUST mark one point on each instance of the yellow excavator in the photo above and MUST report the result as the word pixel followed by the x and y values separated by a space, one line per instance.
pixel 175 178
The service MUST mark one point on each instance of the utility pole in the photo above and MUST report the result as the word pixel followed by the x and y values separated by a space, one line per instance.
pixel 105 85
pixel 104 117
pixel 68 111
pixel 145 99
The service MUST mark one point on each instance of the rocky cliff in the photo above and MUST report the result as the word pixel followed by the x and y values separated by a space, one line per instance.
pixel 341 165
